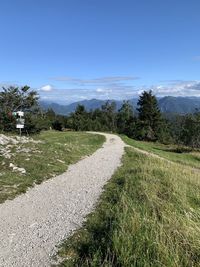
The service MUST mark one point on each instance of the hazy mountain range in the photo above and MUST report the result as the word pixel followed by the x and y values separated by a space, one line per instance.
pixel 167 104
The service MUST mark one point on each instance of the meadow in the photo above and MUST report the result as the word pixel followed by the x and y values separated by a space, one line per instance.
pixel 148 215
pixel 48 155
pixel 180 154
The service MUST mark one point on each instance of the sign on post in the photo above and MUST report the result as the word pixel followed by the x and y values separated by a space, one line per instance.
pixel 20 113
pixel 19 126
pixel 20 120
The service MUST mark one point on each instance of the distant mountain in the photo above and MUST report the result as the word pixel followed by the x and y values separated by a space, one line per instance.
pixel 167 104
pixel 67 109
pixel 88 104
pixel 180 105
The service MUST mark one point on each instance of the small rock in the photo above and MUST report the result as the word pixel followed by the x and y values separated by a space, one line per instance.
pixel 22 170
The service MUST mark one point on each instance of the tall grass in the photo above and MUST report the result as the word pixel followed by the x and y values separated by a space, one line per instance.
pixel 179 154
pixel 148 215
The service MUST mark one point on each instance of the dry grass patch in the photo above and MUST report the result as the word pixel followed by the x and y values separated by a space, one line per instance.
pixel 25 162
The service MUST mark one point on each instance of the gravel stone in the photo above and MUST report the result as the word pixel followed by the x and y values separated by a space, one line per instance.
pixel 33 224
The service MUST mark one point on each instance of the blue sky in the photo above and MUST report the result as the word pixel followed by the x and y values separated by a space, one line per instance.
pixel 71 50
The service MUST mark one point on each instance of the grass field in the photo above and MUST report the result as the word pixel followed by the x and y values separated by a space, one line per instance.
pixel 148 215
pixel 43 160
pixel 174 153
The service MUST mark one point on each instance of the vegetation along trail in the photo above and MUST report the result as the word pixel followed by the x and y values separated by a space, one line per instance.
pixel 33 224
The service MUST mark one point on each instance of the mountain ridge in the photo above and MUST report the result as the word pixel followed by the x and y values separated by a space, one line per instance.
pixel 167 104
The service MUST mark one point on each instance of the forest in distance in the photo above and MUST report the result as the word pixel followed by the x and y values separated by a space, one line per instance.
pixel 148 123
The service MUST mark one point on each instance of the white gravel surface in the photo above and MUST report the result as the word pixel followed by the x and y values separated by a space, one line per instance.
pixel 33 224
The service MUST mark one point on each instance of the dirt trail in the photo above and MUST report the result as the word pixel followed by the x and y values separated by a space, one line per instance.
pixel 33 224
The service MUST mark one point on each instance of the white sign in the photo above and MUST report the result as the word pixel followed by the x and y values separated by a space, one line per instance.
pixel 20 113
pixel 20 126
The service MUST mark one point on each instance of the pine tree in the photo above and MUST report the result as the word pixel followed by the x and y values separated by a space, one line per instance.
pixel 109 116
pixel 79 118
pixel 125 119
pixel 150 120
pixel 190 134
pixel 15 99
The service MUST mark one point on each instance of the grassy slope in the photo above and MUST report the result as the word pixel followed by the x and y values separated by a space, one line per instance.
pixel 148 215
pixel 47 159
pixel 190 158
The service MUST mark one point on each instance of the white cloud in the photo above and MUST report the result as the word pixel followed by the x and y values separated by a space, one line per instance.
pixel 46 88
pixel 104 90
pixel 95 81
pixel 100 90
pixel 120 91
pixel 181 88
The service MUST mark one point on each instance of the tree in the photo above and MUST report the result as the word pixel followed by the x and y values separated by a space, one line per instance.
pixel 79 119
pixel 57 125
pixel 150 121
pixel 96 118
pixel 125 119
pixel 15 99
pixel 190 134
pixel 109 116
pixel 50 114
pixel 176 122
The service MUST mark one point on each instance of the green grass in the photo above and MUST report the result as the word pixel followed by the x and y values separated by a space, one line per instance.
pixel 45 160
pixel 174 153
pixel 148 215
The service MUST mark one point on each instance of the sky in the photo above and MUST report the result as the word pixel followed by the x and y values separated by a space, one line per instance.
pixel 70 50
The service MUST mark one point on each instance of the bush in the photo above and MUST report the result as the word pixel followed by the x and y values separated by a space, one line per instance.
pixel 57 125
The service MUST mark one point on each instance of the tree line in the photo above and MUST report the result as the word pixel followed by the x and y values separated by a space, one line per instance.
pixel 146 123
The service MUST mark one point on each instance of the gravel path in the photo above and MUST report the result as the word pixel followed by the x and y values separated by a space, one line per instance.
pixel 32 224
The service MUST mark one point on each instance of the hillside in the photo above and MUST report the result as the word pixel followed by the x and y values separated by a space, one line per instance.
pixel 46 153
pixel 148 214
pixel 167 104
pixel 180 105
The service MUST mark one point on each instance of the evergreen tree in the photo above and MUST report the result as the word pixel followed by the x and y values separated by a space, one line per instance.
pixel 50 114
pixel 79 119
pixel 190 134
pixel 176 122
pixel 125 119
pixel 150 121
pixel 96 120
pixel 109 116
pixel 15 99
pixel 57 125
